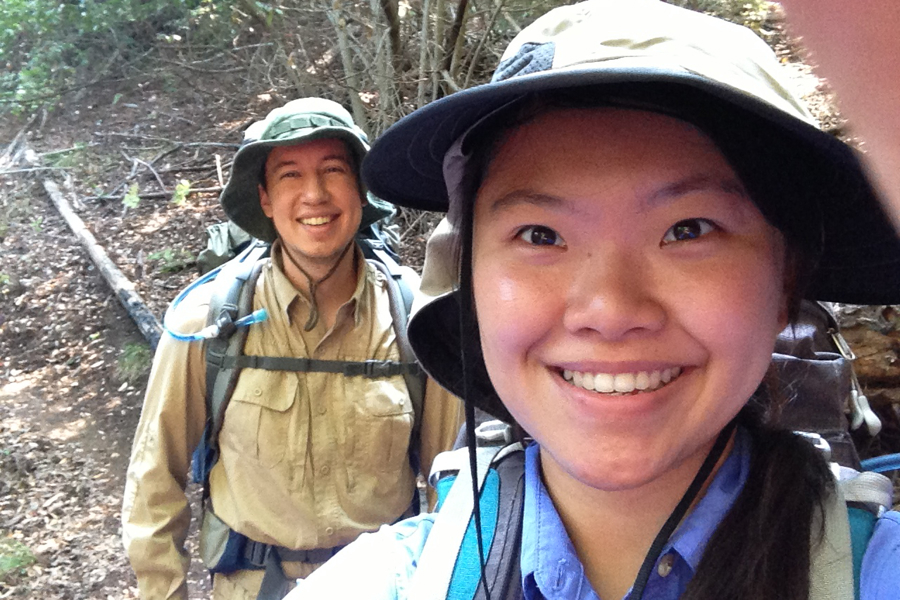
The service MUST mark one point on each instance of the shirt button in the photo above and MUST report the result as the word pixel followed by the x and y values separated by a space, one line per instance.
pixel 322 410
pixel 325 470
pixel 665 565
pixel 257 392
pixel 329 531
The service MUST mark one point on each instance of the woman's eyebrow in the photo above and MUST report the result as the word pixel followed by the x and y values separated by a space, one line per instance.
pixel 519 197
pixel 696 183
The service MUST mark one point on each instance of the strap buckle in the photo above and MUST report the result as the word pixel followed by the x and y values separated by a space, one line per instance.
pixel 372 369
pixel 256 553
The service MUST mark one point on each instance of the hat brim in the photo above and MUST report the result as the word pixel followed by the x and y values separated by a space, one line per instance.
pixel 860 260
pixel 240 198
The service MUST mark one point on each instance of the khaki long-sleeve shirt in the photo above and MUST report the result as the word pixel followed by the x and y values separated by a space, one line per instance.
pixel 308 460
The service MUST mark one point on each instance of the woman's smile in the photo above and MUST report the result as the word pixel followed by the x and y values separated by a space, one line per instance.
pixel 643 253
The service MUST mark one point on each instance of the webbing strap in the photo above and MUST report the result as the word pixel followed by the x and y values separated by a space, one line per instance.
pixel 435 571
pixel 369 368
pixel 831 559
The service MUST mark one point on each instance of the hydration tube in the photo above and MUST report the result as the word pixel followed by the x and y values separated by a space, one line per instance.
pixel 210 331
pixel 882 464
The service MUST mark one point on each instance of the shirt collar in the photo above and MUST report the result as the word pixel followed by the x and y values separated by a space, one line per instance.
pixel 550 567
pixel 286 294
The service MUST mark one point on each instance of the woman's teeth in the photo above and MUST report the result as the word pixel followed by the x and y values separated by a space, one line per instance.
pixel 316 221
pixel 621 383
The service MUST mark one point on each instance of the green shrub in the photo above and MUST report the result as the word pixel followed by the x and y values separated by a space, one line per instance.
pixel 134 363
pixel 171 260
pixel 15 558
pixel 47 46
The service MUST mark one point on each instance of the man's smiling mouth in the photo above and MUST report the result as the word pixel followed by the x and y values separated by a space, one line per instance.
pixel 622 383
pixel 317 220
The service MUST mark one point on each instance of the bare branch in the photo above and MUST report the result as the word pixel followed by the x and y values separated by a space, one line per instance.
pixel 477 53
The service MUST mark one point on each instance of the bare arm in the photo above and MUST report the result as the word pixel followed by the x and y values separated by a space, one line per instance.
pixel 857 47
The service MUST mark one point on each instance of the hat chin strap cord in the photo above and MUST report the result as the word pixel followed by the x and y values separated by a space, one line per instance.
pixel 313 285
pixel 643 576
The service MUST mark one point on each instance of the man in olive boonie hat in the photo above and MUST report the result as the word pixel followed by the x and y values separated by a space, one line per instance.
pixel 317 437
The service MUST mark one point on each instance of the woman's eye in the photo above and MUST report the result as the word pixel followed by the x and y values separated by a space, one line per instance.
pixel 688 229
pixel 538 235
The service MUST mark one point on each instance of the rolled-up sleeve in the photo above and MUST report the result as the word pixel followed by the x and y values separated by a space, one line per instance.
pixel 155 511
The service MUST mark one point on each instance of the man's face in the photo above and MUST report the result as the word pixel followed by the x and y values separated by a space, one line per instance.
pixel 312 196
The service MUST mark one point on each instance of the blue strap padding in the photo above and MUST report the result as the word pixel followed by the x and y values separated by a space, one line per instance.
pixel 467 571
pixel 862 525
pixel 443 488
pixel 881 464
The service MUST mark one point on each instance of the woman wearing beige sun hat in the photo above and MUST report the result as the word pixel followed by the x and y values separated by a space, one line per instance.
pixel 636 206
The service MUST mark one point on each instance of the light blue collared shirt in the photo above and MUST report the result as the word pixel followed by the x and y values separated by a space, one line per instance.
pixel 551 569
pixel 381 565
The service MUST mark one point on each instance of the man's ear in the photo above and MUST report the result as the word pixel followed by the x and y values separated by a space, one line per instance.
pixel 264 201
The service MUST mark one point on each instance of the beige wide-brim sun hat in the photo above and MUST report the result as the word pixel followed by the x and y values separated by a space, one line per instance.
pixel 654 56
pixel 297 122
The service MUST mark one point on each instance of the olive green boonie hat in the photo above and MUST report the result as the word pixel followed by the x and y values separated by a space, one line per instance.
pixel 646 55
pixel 297 122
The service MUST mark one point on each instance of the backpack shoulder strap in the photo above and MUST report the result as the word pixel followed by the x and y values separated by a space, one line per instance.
pixel 401 297
pixel 868 495
pixel 850 515
pixel 449 565
pixel 232 299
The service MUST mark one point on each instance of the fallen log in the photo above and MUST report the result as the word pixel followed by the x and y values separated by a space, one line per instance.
pixel 120 284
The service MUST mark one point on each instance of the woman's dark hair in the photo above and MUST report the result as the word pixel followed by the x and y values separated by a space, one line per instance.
pixel 761 549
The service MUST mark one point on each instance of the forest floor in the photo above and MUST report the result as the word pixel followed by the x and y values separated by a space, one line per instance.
pixel 72 364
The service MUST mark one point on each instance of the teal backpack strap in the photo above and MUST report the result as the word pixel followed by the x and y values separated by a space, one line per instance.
pixel 862 525
pixel 868 495
pixel 449 566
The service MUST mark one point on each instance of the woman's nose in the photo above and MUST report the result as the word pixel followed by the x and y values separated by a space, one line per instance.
pixel 615 295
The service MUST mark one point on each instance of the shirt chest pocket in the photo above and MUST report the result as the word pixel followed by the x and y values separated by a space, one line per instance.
pixel 384 416
pixel 259 422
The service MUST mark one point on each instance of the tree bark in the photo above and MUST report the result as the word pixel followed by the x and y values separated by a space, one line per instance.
pixel 340 28
pixel 454 33
pixel 393 18
pixel 121 285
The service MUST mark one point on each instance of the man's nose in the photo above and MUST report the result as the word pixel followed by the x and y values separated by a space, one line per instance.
pixel 614 294
pixel 313 190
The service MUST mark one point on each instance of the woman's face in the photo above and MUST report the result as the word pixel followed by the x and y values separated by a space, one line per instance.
pixel 628 292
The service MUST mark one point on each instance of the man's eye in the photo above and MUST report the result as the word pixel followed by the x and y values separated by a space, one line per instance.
pixel 538 235
pixel 289 175
pixel 688 229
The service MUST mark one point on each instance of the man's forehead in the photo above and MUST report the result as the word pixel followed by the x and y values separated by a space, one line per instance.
pixel 318 150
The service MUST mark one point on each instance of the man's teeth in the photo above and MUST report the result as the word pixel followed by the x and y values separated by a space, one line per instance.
pixel 316 220
pixel 622 383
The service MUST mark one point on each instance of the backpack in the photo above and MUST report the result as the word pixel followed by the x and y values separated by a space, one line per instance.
pixel 222 549
pixel 230 311
pixel 813 370
pixel 451 560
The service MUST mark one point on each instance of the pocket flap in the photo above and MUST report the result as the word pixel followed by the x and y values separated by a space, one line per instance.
pixel 273 390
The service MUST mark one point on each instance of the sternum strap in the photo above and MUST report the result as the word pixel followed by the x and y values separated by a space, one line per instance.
pixel 372 369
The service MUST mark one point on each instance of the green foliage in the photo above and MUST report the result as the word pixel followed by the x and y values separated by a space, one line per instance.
pixel 68 158
pixel 15 557
pixel 181 191
pixel 134 363
pixel 37 224
pixel 172 260
pixel 47 45
pixel 131 199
